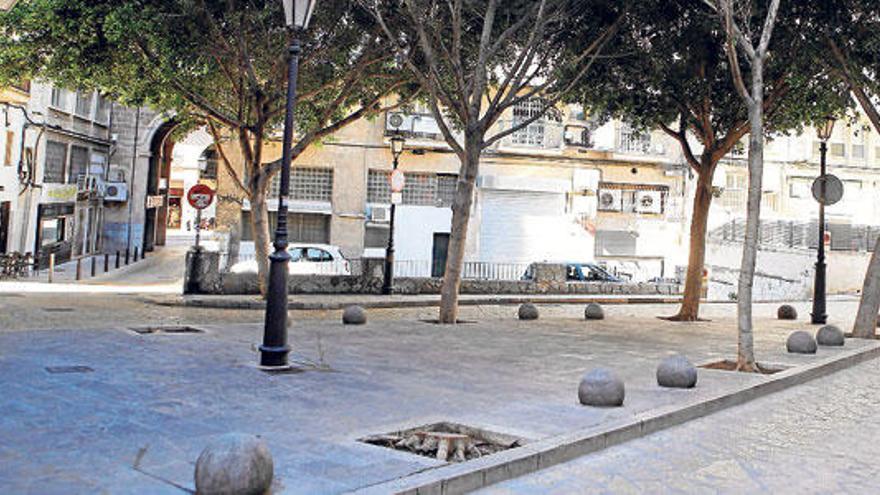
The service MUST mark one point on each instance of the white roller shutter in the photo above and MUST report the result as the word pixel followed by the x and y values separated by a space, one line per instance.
pixel 526 226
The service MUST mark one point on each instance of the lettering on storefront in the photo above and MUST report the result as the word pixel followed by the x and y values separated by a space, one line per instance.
pixel 62 193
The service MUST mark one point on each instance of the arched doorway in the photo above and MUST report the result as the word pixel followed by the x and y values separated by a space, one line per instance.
pixel 158 177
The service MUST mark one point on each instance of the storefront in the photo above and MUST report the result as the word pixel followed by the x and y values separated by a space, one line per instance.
pixel 55 225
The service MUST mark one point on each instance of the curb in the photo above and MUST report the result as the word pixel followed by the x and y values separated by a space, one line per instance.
pixel 485 471
pixel 418 303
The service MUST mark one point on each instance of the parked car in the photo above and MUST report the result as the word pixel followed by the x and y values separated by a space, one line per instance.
pixel 583 272
pixel 306 259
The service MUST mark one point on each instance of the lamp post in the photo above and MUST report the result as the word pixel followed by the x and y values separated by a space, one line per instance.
pixel 818 315
pixel 397 142
pixel 274 350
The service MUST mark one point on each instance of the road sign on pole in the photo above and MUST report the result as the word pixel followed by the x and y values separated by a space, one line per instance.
pixel 200 196
pixel 827 189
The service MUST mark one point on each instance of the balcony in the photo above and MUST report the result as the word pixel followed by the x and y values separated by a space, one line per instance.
pixel 537 136
pixel 414 127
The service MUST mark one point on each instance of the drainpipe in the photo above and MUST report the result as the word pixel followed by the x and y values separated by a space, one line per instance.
pixel 137 125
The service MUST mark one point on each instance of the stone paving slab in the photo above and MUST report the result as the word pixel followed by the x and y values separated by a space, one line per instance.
pixel 168 395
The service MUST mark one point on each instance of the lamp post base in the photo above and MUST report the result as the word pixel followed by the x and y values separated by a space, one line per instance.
pixel 274 358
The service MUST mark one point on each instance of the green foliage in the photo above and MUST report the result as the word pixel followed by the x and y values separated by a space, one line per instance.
pixel 223 60
pixel 669 62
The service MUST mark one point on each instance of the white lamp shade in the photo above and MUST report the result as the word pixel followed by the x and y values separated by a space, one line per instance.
pixel 298 12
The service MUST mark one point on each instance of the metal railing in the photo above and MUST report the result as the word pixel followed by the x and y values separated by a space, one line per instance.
pixel 539 135
pixel 803 234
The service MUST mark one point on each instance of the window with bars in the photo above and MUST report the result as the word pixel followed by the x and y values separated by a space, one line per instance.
pixel 56 156
pixel 838 150
pixel 83 104
pixel 858 151
pixel 301 227
pixel 79 163
pixel 208 165
pixel 307 184
pixel 631 140
pixel 422 188
pixel 532 134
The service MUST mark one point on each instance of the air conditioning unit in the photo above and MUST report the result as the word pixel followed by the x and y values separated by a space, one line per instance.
pixel 380 213
pixel 116 191
pixel 610 200
pixel 649 202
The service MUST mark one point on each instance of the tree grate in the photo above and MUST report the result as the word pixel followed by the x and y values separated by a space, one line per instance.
pixel 166 329
pixel 446 441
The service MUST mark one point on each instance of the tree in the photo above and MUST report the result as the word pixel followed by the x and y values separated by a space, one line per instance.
pixel 675 77
pixel 221 64
pixel 475 60
pixel 736 18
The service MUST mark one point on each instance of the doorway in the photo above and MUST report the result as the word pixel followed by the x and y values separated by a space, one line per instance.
pixel 4 225
pixel 438 254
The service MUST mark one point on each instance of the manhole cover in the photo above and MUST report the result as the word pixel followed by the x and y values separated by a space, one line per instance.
pixel 448 442
pixel 68 369
pixel 58 310
pixel 167 329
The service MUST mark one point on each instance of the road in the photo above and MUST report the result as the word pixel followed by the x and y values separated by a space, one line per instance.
pixel 821 437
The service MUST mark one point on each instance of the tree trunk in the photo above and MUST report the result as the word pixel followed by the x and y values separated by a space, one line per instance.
pixel 745 354
pixel 869 305
pixel 260 229
pixel 693 284
pixel 461 213
pixel 233 245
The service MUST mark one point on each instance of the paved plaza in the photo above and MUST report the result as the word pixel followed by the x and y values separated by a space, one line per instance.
pixel 135 419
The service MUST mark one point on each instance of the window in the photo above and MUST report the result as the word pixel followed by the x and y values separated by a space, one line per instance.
pixel 633 141
pixel 838 150
pixel 799 188
pixel 84 104
pixel 10 142
pixel 51 231
pixel 422 188
pixel 208 166
pixel 858 151
pixel 59 98
pixel 102 112
pixel 307 184
pixel 79 163
pixel 318 255
pixel 56 156
pixel 532 134
pixel 376 236
pixel 301 227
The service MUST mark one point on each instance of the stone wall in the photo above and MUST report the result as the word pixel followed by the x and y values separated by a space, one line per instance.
pixel 549 279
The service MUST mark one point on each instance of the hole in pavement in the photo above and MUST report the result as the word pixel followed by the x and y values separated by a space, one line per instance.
pixel 730 365
pixel 444 441
pixel 169 329
pixel 69 369
pixel 58 310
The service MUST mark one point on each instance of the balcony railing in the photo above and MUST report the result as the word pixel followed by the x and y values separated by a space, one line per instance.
pixel 540 135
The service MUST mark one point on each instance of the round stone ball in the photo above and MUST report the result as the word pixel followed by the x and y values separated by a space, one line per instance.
pixel 601 388
pixel 830 335
pixel 801 342
pixel 235 463
pixel 786 312
pixel 676 372
pixel 594 312
pixel 354 315
pixel 528 311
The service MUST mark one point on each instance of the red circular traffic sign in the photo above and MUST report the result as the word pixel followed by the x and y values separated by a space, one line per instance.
pixel 397 181
pixel 200 196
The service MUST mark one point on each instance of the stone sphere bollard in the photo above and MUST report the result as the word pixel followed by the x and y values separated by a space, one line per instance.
pixel 830 335
pixel 354 315
pixel 602 388
pixel 786 312
pixel 594 312
pixel 676 372
pixel 235 463
pixel 528 311
pixel 801 342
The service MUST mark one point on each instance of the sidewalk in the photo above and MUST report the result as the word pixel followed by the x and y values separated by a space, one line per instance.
pixel 341 301
pixel 135 419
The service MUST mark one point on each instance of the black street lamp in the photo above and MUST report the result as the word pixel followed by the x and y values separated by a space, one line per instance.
pixel 273 352
pixel 818 315
pixel 397 142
